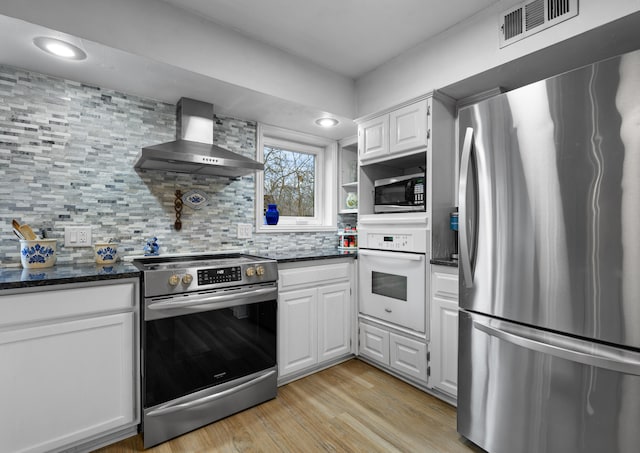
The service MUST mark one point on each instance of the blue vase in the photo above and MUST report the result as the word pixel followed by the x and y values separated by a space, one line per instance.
pixel 272 214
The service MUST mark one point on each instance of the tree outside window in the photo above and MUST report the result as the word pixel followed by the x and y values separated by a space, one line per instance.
pixel 290 181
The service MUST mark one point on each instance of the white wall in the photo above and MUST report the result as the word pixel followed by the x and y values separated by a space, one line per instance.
pixel 161 32
pixel 470 48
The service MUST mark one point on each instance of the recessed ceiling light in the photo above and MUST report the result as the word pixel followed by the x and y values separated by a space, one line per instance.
pixel 59 48
pixel 327 122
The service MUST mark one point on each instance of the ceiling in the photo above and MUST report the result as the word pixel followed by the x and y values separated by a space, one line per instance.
pixel 347 38
pixel 350 37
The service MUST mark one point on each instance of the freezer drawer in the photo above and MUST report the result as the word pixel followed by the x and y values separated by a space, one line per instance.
pixel 526 390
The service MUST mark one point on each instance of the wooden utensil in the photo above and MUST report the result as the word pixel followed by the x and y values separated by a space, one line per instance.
pixel 28 233
pixel 25 230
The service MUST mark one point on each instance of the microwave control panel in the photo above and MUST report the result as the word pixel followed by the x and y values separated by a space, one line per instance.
pixel 397 242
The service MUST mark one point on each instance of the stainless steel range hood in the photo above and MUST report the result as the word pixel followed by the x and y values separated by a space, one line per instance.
pixel 193 151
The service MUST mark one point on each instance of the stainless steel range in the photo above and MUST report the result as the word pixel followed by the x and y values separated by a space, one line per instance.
pixel 208 339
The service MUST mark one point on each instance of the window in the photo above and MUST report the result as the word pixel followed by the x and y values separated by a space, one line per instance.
pixel 299 177
pixel 290 181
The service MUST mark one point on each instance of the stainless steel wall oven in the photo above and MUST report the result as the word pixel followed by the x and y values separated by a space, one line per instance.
pixel 208 340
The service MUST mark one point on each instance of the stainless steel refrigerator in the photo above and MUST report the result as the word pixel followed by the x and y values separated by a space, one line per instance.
pixel 549 224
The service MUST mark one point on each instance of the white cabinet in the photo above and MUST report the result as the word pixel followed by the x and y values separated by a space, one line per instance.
pixel 70 366
pixel 401 131
pixel 315 316
pixel 444 330
pixel 373 138
pixel 409 127
pixel 297 330
pixel 397 351
pixel 374 343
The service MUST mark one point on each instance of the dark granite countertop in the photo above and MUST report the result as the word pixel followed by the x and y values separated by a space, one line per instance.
pixel 17 277
pixel 444 262
pixel 290 256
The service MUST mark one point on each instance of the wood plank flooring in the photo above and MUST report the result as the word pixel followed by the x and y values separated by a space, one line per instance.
pixel 351 407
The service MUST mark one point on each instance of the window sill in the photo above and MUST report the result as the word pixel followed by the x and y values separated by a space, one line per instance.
pixel 293 228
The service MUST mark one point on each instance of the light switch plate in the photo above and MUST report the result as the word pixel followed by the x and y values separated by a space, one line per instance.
pixel 77 236
pixel 244 231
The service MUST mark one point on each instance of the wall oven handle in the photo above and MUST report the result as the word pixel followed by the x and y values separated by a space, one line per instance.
pixel 572 350
pixel 465 252
pixel 174 407
pixel 213 301
pixel 392 255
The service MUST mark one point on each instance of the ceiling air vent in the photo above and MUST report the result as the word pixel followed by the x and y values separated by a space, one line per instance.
pixel 531 17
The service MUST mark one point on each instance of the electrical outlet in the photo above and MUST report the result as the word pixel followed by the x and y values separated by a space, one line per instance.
pixel 244 231
pixel 77 236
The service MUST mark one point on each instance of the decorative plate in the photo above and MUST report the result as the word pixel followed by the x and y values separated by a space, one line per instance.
pixel 195 199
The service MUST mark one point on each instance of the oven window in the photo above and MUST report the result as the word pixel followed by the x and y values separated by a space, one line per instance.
pixel 389 285
pixel 188 353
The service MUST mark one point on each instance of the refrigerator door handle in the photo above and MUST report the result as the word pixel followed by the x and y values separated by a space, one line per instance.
pixel 465 253
pixel 608 358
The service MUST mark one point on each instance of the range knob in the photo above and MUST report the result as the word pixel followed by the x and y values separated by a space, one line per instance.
pixel 250 272
pixel 174 280
pixel 260 271
pixel 187 279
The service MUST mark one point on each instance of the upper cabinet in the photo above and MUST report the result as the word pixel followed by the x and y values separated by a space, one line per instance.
pixel 373 138
pixel 402 131
pixel 409 127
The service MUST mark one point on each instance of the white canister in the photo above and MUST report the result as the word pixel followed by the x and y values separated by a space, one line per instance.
pixel 106 252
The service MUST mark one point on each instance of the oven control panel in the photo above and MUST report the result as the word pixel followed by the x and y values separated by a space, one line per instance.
pixel 219 275
pixel 398 242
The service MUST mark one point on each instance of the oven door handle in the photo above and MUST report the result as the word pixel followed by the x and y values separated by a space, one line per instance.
pixel 392 255
pixel 174 407
pixel 215 302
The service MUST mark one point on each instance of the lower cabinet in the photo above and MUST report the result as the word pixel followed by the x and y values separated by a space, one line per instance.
pixel 69 358
pixel 401 353
pixel 444 330
pixel 315 312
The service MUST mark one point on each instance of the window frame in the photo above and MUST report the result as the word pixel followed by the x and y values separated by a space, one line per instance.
pixel 325 203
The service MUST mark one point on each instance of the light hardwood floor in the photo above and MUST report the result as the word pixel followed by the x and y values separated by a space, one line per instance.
pixel 351 407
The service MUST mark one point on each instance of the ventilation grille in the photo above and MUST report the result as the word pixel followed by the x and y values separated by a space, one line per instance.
pixel 532 17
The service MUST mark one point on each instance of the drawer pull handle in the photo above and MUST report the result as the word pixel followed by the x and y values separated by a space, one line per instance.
pixel 388 310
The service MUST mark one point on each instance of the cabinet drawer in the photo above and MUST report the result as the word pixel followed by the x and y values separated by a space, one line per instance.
pixel 445 285
pixel 313 275
pixel 54 304
pixel 408 356
pixel 402 313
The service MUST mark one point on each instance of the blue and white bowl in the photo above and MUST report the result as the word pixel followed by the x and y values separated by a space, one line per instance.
pixel 106 252
pixel 38 253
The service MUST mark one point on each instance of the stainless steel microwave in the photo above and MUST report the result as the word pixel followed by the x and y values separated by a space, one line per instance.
pixel 400 194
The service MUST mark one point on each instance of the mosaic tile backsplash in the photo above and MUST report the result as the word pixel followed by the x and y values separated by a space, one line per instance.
pixel 66 158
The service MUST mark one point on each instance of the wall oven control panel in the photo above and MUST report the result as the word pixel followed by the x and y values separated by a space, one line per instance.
pixel 397 242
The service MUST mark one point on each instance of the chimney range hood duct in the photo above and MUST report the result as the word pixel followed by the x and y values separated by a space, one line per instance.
pixel 193 151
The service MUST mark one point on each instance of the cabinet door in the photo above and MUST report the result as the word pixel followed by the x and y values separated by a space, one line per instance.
pixel 444 345
pixel 408 356
pixel 374 343
pixel 373 138
pixel 408 128
pixel 65 382
pixel 334 320
pixel 444 330
pixel 297 330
